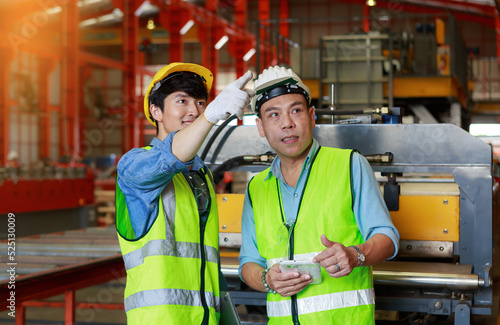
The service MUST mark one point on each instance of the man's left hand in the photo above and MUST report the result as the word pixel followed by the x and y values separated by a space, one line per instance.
pixel 337 259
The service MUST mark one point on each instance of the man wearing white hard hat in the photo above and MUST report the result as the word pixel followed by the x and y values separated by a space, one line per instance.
pixel 315 205
pixel 166 211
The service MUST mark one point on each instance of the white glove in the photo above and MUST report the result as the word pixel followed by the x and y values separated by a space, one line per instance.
pixel 232 100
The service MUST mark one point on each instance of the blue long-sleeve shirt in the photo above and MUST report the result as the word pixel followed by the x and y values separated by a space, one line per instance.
pixel 143 175
pixel 370 211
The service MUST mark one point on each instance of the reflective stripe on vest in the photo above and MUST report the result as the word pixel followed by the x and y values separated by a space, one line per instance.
pixel 164 247
pixel 168 246
pixel 169 297
pixel 324 302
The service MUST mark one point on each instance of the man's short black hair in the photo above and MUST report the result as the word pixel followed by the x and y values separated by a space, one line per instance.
pixel 188 82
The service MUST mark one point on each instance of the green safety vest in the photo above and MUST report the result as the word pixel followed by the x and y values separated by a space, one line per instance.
pixel 172 271
pixel 325 208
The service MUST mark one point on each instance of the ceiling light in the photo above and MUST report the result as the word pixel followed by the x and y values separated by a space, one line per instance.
pixel 88 22
pixel 371 3
pixel 117 12
pixel 151 24
pixel 221 42
pixel 249 54
pixel 107 17
pixel 87 2
pixel 141 8
pixel 53 10
pixel 186 27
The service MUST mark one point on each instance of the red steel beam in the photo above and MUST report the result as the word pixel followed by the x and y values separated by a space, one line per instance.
pixel 454 6
pixel 212 5
pixel 482 14
pixel 70 82
pixel 176 46
pixel 366 18
pixel 485 21
pixel 211 22
pixel 54 282
pixel 6 56
pixel 118 4
pixel 284 31
pixel 210 56
pixel 216 31
pixel 203 16
pixel 173 19
pixel 264 9
pixel 497 32
pixel 45 66
pixel 240 18
pixel 463 6
pixel 86 57
pixel 130 25
pixel 69 306
pixel 238 46
pixel 85 75
pixel 20 315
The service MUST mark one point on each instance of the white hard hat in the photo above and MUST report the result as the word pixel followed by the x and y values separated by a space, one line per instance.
pixel 276 81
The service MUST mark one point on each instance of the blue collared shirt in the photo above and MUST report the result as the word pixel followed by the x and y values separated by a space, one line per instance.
pixel 370 211
pixel 143 175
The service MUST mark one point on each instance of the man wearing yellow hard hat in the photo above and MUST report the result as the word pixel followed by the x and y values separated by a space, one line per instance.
pixel 166 211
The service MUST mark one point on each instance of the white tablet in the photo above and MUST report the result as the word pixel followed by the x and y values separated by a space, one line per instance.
pixel 303 267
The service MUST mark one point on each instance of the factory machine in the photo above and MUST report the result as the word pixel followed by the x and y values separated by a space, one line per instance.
pixel 438 185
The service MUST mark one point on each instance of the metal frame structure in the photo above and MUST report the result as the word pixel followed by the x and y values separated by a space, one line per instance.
pixel 60 263
pixel 31 288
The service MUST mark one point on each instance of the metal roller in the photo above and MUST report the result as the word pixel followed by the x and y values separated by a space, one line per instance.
pixel 414 274
pixel 416 279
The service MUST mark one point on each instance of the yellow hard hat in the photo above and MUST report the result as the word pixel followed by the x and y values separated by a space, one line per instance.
pixel 203 72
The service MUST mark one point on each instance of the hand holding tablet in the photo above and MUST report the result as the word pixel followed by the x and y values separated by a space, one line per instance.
pixel 303 267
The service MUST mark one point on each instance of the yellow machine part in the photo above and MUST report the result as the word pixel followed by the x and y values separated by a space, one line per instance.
pixel 435 86
pixel 420 217
pixel 423 217
pixel 440 31
pixel 230 207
